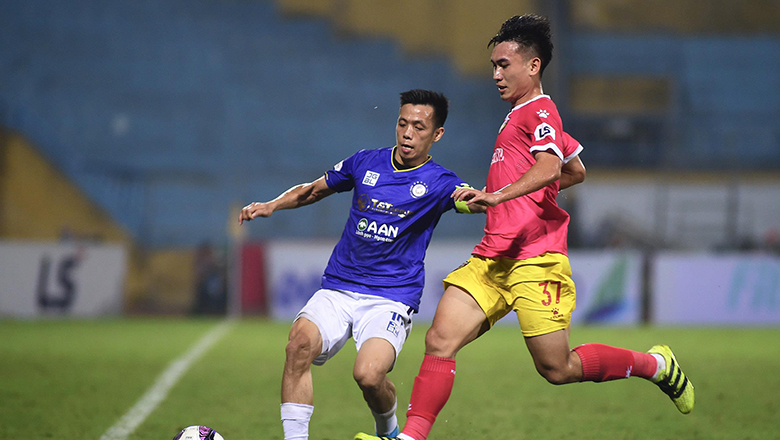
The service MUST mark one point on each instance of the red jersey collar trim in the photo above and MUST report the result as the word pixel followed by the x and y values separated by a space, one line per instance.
pixel 529 101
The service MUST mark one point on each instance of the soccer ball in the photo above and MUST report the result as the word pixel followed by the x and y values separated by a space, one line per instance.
pixel 196 432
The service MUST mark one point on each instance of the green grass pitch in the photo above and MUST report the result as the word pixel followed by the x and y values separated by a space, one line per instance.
pixel 75 379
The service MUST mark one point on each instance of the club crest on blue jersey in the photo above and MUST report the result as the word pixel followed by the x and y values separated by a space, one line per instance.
pixel 418 189
pixel 370 178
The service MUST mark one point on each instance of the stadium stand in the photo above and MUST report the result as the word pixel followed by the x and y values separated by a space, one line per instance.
pixel 169 114
pixel 678 16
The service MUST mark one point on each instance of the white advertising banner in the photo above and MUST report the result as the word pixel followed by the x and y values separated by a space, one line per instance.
pixel 294 272
pixel 61 279
pixel 608 283
pixel 609 286
pixel 709 289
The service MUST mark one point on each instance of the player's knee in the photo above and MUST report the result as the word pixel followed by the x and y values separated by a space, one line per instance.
pixel 554 374
pixel 301 350
pixel 438 344
pixel 554 377
pixel 368 377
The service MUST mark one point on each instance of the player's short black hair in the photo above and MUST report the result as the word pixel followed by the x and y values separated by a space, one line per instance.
pixel 438 101
pixel 530 32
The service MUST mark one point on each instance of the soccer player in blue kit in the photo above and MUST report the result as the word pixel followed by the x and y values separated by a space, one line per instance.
pixel 374 280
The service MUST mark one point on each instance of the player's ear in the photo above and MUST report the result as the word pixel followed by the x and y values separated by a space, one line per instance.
pixel 535 66
pixel 438 133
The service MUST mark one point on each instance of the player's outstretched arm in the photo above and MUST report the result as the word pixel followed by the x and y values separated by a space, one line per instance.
pixel 295 197
pixel 572 173
pixel 545 171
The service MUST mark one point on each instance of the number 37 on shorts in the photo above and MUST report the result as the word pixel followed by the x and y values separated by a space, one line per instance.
pixel 550 285
pixel 555 301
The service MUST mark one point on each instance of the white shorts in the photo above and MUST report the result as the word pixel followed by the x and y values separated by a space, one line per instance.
pixel 340 314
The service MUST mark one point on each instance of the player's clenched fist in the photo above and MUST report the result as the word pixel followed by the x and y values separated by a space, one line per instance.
pixel 254 210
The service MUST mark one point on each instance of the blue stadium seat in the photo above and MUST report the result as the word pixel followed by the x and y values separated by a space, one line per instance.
pixel 195 103
pixel 192 106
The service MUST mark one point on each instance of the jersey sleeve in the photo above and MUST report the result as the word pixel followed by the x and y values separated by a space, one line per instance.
pixel 460 207
pixel 341 177
pixel 546 130
pixel 571 147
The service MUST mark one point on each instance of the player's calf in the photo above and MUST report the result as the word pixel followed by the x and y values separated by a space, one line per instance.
pixel 601 363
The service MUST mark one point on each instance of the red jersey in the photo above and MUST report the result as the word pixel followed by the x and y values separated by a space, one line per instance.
pixel 571 148
pixel 533 224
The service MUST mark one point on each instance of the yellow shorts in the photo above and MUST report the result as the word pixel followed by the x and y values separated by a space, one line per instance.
pixel 539 289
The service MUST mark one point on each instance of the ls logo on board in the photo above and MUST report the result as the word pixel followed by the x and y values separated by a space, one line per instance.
pixel 57 292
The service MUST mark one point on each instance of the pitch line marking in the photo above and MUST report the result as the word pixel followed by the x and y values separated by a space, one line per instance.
pixel 159 390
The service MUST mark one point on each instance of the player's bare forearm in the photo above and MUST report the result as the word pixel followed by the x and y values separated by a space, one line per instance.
pixel 302 195
pixel 295 197
pixel 536 178
pixel 572 173
pixel 545 171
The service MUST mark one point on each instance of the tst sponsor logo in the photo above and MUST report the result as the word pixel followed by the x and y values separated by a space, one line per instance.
pixel 366 203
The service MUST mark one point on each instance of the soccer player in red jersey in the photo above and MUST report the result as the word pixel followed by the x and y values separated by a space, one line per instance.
pixel 521 264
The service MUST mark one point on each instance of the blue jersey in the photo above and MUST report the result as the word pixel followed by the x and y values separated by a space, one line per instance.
pixel 392 217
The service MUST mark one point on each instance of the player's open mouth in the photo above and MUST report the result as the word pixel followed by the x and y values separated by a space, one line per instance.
pixel 406 149
pixel 501 88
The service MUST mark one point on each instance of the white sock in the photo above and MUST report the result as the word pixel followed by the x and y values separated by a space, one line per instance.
pixel 295 420
pixel 661 366
pixel 387 422
pixel 404 437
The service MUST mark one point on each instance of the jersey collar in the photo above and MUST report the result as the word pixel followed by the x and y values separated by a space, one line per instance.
pixel 396 170
pixel 528 102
